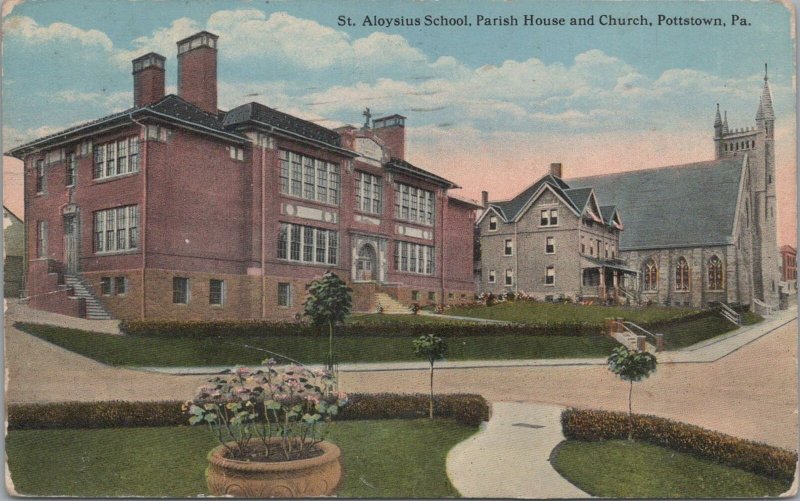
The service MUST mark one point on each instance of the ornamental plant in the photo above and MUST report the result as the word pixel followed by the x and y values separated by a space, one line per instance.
pixel 631 366
pixel 268 414
pixel 329 302
pixel 432 348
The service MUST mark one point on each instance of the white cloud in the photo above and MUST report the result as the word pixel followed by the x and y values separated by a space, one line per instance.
pixel 162 41
pixel 29 31
pixel 114 101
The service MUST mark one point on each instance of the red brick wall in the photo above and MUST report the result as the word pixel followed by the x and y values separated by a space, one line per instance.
pixel 148 86
pixel 197 78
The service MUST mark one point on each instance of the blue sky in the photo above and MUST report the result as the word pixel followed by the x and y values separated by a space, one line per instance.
pixel 516 97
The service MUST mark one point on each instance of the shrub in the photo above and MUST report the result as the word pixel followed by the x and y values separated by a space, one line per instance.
pixel 467 409
pixel 232 328
pixel 593 425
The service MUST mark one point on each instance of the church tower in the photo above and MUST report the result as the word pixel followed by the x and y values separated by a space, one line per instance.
pixel 758 143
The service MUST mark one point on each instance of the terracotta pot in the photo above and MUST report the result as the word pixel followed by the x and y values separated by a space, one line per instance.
pixel 318 476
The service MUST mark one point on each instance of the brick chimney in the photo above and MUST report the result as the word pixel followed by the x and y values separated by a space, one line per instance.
pixel 392 130
pixel 555 169
pixel 485 199
pixel 148 79
pixel 197 70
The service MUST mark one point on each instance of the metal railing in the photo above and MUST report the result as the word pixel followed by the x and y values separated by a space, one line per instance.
pixel 762 308
pixel 729 313
pixel 657 340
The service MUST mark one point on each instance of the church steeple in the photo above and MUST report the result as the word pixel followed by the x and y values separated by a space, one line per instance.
pixel 717 119
pixel 765 111
pixel 725 123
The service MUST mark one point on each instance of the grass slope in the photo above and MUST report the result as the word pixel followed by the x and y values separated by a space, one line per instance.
pixel 622 469
pixel 386 458
pixel 688 333
pixel 535 312
pixel 169 352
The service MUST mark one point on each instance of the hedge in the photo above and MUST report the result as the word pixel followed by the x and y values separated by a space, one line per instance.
pixel 593 425
pixel 241 328
pixel 467 409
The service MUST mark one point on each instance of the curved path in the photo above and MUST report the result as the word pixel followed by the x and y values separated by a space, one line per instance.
pixel 509 458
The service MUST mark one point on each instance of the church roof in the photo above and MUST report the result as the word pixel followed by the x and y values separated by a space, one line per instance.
pixel 688 205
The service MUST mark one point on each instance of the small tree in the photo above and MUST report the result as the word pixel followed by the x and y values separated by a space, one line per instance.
pixel 329 302
pixel 432 348
pixel 631 366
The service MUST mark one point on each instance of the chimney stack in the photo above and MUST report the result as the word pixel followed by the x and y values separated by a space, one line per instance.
pixel 148 79
pixel 555 169
pixel 197 70
pixel 392 130
pixel 485 199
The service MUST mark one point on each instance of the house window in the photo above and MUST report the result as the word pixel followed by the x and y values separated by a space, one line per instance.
pixel 369 192
pixel 492 223
pixel 236 153
pixel 105 286
pixel 307 244
pixel 583 246
pixel 716 280
pixel 650 275
pixel 606 249
pixel 180 290
pixel 40 184
pixel 509 277
pixel 550 245
pixel 120 286
pixel 413 204
pixel 492 276
pixel 284 294
pixel 414 258
pixel 116 158
pixel 550 276
pixel 216 292
pixel 71 168
pixel 41 239
pixel 116 230
pixel 431 296
pixel 309 178
pixel 549 217
pixel 509 247
pixel 682 275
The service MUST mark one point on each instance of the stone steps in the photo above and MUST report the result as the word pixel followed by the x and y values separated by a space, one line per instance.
pixel 94 308
pixel 390 305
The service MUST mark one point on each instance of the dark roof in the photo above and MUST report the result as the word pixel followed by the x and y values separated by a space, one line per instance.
pixel 510 208
pixel 579 196
pixel 404 167
pixel 678 206
pixel 170 108
pixel 257 112
pixel 608 213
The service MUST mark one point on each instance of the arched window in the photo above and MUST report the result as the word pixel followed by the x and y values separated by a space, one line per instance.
pixel 715 274
pixel 681 275
pixel 650 275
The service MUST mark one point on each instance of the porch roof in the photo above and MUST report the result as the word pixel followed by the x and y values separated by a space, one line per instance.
pixel 591 262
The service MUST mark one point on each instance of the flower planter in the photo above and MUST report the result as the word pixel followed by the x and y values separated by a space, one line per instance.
pixel 302 478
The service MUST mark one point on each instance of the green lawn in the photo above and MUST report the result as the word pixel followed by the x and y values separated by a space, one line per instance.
pixel 685 334
pixel 229 351
pixel 622 469
pixel 386 458
pixel 376 319
pixel 535 312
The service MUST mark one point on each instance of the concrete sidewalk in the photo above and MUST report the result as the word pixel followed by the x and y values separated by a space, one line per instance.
pixel 510 457
pixel 707 351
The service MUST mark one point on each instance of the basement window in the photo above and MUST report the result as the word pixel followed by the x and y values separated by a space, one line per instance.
pixel 180 290
pixel 120 286
pixel 216 292
pixel 105 286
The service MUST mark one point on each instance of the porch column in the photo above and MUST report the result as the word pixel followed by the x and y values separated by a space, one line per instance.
pixel 602 282
pixel 616 285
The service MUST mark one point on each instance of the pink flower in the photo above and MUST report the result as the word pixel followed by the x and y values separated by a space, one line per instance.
pixel 312 399
pixel 243 372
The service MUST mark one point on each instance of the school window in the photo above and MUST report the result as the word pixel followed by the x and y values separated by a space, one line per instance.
pixel 308 244
pixel 284 294
pixel 41 239
pixel 157 133
pixel 509 277
pixel 116 158
pixel 509 247
pixel 414 258
pixel 415 295
pixel 550 245
pixel 236 153
pixel 492 276
pixel 550 275
pixel 309 178
pixel 431 296
pixel 120 286
pixel 413 204
pixel 116 230
pixel 71 168
pixel 40 185
pixel 180 290
pixel 492 223
pixel 216 292
pixel 369 192
pixel 105 286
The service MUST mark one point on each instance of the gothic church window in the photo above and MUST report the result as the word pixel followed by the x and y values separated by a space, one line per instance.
pixel 682 275
pixel 650 275
pixel 715 275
